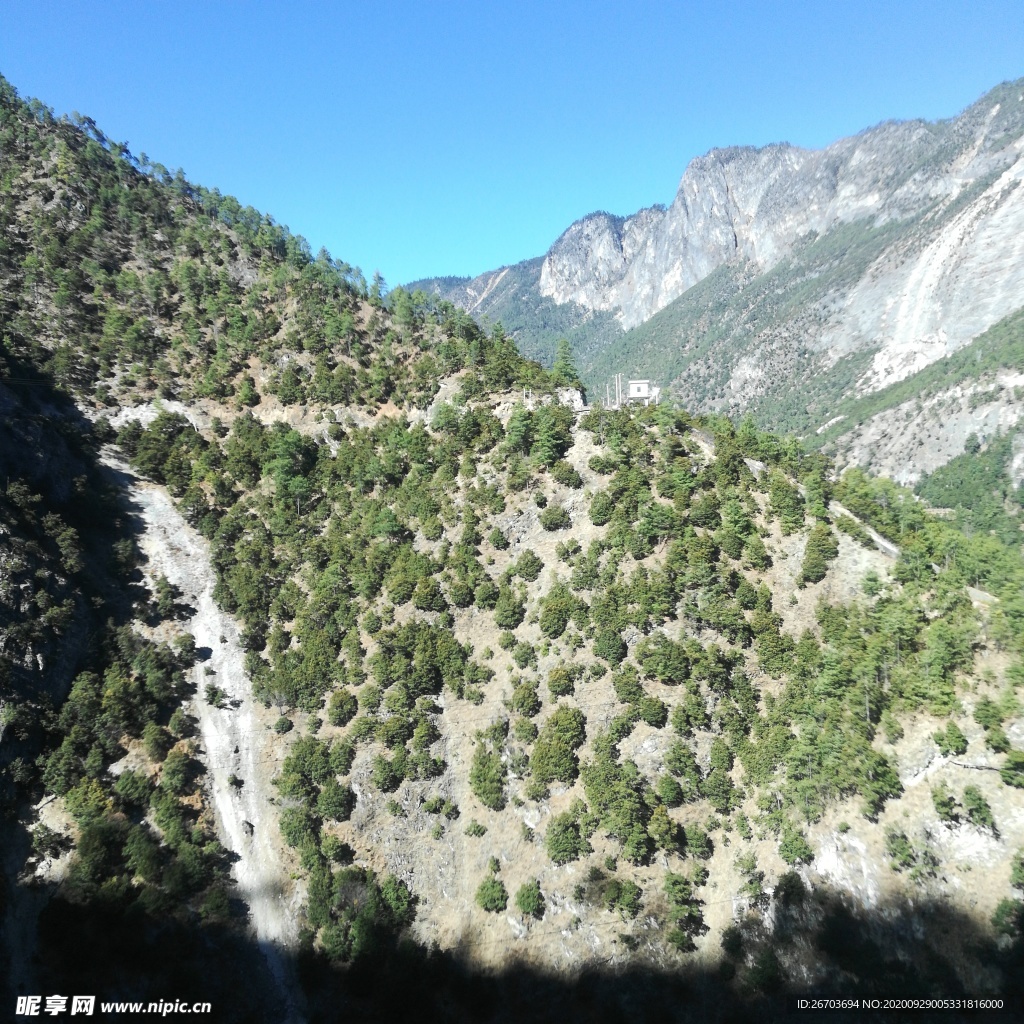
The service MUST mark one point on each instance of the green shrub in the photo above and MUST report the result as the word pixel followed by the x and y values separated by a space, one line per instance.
pixel 669 791
pixel 156 741
pixel 821 549
pixel 555 518
pixel 178 773
pixel 554 756
pixel 561 681
pixel 1017 870
pixel 214 695
pixel 987 713
pixel 900 852
pixel 653 711
pixel 944 803
pixel 698 842
pixel 951 740
pixel 432 529
pixel 492 895
pixel 509 611
pixel 487 776
pixel 997 740
pixel 853 529
pixel 610 646
pixel 730 542
pixel 298 826
pixel 523 654
pixel 891 727
pixel 342 756
pixel 387 776
pixel 790 890
pixel 524 730
pixel 717 786
pixel 564 840
pixel 566 475
pixel 1012 772
pixel 556 611
pixel 602 506
pixel 370 698
pixel 131 786
pixel 486 595
pixel 1008 917
pixel 398 901
pixel 180 724
pixel 978 810
pixel 335 802
pixel 732 942
pixel 525 700
pixel 793 847
pixel 529 566
pixel 342 707
pixel 766 973
pixel 623 897
pixel 428 596
pixel 785 503
pixel 705 511
pixel 530 900
pixel 461 594
pixel 755 553
pixel 663 830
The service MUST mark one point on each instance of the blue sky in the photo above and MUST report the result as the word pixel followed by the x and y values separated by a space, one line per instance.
pixel 427 138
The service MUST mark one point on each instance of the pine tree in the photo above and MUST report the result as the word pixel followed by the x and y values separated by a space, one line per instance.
pixel 563 370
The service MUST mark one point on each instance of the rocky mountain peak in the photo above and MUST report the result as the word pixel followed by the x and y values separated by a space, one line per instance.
pixel 755 204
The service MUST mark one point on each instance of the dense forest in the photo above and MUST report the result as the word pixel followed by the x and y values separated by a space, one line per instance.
pixel 611 670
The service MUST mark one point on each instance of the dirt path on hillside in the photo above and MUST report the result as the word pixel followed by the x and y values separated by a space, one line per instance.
pixel 236 739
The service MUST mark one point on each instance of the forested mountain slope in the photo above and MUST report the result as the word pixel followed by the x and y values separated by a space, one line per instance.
pixel 643 698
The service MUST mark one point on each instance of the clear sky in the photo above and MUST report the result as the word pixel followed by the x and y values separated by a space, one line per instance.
pixel 423 138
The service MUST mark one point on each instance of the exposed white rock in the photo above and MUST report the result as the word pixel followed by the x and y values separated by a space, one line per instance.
pixel 919 436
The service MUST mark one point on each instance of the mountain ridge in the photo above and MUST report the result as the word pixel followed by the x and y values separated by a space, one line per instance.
pixel 891 248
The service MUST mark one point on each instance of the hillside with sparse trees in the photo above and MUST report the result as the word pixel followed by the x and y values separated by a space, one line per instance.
pixel 655 698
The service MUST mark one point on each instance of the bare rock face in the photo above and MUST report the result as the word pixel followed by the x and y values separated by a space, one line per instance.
pixel 754 205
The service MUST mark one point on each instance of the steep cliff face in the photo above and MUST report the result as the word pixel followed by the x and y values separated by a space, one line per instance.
pixel 756 205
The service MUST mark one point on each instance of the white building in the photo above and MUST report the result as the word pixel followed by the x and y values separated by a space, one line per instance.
pixel 640 392
pixel 643 391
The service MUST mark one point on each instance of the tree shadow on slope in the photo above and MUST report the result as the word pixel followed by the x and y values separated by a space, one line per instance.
pixel 822 947
pixel 116 950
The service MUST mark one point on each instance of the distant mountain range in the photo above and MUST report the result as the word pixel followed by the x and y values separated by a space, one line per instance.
pixel 806 285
